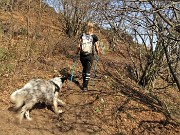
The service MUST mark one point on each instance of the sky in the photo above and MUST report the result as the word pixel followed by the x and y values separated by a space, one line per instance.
pixel 55 5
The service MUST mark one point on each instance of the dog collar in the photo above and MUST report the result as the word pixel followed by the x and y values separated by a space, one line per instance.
pixel 57 88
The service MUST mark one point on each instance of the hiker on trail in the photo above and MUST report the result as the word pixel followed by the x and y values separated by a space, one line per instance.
pixel 88 43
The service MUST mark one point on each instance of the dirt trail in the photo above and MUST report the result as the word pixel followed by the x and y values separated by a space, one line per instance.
pixel 100 111
pixel 76 119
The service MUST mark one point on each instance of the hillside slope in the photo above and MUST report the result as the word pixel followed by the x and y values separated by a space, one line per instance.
pixel 37 48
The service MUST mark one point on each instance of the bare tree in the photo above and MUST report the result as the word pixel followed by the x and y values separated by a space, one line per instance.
pixel 154 26
pixel 152 23
pixel 73 14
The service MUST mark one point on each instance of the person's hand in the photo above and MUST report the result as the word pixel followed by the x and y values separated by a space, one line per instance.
pixel 98 52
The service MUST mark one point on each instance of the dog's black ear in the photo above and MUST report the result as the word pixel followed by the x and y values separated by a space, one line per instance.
pixel 63 79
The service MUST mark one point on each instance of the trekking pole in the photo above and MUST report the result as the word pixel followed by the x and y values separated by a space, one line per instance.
pixel 95 65
pixel 72 73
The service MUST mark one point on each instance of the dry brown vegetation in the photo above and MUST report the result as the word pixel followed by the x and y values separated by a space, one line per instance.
pixel 33 44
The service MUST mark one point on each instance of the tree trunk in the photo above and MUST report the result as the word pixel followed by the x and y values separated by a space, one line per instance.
pixel 171 68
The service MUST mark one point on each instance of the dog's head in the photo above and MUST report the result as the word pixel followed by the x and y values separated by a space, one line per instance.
pixel 63 75
pixel 64 79
pixel 59 80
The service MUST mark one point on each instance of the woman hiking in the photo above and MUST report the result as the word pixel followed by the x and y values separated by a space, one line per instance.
pixel 88 43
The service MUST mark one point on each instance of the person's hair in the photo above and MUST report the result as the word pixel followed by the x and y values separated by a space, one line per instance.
pixel 89 28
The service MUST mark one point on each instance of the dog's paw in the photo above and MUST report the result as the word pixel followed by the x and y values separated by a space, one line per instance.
pixel 58 111
pixel 29 118
pixel 26 115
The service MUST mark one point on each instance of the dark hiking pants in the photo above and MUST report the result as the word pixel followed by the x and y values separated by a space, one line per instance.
pixel 86 61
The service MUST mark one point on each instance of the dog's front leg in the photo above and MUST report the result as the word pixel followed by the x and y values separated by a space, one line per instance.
pixel 55 104
pixel 60 102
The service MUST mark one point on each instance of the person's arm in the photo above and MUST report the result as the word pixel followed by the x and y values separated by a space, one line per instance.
pixel 97 47
pixel 78 49
pixel 78 46
pixel 76 52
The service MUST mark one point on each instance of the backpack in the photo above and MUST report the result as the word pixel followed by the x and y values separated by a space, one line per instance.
pixel 87 44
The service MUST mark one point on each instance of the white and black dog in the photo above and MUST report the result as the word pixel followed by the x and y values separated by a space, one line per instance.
pixel 37 91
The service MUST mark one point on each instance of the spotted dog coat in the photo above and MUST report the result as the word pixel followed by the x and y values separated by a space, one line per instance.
pixel 35 91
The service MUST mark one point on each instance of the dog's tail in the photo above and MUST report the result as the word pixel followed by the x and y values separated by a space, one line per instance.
pixel 17 98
